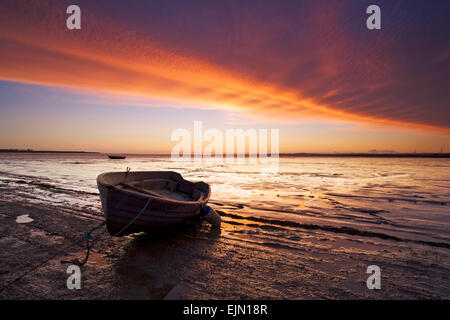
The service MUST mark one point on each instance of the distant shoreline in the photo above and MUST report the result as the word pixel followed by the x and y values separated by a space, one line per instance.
pixel 40 151
pixel 282 155
pixel 370 155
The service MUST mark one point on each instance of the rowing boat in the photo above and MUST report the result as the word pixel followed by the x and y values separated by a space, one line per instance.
pixel 144 200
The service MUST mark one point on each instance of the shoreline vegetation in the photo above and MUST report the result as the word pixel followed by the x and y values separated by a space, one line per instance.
pixel 297 154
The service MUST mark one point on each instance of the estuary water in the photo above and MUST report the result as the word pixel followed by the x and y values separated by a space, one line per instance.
pixel 408 198
pixel 308 230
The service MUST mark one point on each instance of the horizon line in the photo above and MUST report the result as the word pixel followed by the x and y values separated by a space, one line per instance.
pixel 281 154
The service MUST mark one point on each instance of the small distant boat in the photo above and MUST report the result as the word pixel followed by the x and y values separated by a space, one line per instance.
pixel 116 157
pixel 144 200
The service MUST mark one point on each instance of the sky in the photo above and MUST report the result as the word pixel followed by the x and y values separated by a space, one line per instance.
pixel 138 70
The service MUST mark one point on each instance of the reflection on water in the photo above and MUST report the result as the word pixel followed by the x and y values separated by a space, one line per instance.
pixel 398 197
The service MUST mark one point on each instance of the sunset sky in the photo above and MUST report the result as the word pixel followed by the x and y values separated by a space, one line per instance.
pixel 137 70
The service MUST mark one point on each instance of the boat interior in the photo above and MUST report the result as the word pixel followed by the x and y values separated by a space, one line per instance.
pixel 162 188
pixel 168 185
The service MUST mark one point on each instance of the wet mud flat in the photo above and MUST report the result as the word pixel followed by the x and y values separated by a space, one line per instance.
pixel 194 261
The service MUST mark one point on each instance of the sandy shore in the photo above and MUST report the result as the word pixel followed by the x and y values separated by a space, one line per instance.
pixel 195 262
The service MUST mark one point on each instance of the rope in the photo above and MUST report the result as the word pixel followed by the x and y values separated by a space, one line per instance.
pixel 134 219
pixel 89 238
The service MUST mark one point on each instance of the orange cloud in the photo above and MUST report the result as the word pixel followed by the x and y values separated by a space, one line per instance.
pixel 112 58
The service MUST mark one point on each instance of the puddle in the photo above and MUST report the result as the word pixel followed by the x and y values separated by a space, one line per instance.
pixel 25 218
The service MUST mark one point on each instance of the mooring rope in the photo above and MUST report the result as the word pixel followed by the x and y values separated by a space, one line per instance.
pixel 90 239
pixel 134 219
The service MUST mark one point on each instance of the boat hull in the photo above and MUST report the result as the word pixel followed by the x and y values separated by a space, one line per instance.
pixel 121 206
